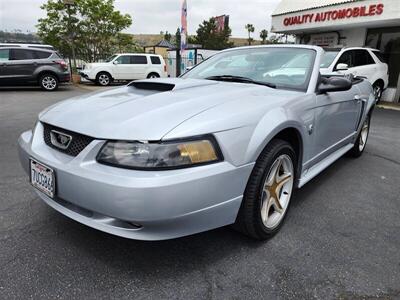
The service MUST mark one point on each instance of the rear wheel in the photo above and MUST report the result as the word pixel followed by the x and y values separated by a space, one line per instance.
pixel 103 79
pixel 48 82
pixel 361 142
pixel 153 75
pixel 268 192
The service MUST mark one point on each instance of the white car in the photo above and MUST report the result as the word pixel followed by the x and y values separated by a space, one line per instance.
pixel 359 61
pixel 125 66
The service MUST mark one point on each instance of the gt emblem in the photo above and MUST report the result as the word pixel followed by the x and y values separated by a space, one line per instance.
pixel 60 140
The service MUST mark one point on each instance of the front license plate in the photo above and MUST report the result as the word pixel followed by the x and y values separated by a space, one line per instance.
pixel 42 178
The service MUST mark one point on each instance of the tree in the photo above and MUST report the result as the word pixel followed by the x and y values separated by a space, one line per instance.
pixel 264 35
pixel 178 38
pixel 250 29
pixel 167 36
pixel 89 26
pixel 211 38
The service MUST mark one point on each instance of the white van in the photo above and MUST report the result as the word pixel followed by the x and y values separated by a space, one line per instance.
pixel 125 66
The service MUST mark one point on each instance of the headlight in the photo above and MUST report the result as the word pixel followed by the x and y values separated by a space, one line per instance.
pixel 160 156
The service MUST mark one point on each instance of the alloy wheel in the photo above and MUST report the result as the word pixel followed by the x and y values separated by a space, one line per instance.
pixel 49 83
pixel 364 135
pixel 377 92
pixel 104 79
pixel 277 190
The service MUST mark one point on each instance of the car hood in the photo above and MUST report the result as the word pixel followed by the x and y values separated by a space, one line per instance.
pixel 147 109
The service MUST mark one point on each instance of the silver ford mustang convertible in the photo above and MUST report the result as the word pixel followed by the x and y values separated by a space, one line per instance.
pixel 227 143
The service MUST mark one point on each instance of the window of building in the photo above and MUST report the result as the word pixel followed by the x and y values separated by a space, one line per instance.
pixel 387 40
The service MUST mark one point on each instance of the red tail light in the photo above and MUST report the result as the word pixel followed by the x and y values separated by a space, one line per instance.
pixel 165 68
pixel 62 64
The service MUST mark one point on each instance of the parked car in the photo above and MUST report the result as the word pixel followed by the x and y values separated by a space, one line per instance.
pixel 20 65
pixel 366 62
pixel 165 158
pixel 126 66
pixel 37 46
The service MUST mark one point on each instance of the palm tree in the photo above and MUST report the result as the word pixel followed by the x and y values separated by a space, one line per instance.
pixel 264 35
pixel 250 28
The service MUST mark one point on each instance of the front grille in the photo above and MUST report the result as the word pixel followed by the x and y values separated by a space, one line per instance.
pixel 78 143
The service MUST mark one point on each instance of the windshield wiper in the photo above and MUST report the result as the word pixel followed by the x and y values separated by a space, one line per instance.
pixel 233 78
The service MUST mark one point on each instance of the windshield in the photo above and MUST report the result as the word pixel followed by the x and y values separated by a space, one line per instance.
pixel 285 68
pixel 111 58
pixel 328 58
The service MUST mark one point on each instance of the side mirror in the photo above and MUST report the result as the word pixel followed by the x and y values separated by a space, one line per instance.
pixel 334 84
pixel 115 62
pixel 342 67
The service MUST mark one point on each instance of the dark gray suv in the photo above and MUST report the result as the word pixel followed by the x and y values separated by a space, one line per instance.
pixel 32 66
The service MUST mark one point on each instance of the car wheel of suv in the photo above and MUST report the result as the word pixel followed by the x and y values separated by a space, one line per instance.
pixel 153 75
pixel 361 142
pixel 103 79
pixel 48 82
pixel 378 90
pixel 268 192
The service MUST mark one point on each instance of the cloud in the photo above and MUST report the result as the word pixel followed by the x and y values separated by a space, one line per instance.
pixel 153 16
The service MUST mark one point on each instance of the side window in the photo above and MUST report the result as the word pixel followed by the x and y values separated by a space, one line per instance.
pixel 155 60
pixel 139 60
pixel 41 54
pixel 123 60
pixel 346 58
pixel 362 58
pixel 21 54
pixel 4 54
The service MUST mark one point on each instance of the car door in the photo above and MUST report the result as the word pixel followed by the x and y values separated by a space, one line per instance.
pixel 364 64
pixel 140 66
pixel 21 64
pixel 337 115
pixel 122 68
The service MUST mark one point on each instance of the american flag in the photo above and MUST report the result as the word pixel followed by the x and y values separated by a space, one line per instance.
pixel 184 26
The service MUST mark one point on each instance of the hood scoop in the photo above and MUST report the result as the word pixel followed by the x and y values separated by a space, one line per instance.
pixel 169 84
pixel 152 86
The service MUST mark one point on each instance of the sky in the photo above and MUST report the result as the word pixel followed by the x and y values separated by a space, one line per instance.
pixel 153 16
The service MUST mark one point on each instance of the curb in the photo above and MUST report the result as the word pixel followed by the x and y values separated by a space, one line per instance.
pixel 391 107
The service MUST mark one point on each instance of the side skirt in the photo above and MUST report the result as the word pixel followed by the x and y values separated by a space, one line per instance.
pixel 322 165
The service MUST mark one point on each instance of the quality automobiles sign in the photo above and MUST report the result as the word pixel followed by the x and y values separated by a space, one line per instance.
pixel 335 14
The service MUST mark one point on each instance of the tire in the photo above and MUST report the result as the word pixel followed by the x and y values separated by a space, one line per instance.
pixel 378 90
pixel 361 142
pixel 48 82
pixel 260 216
pixel 103 79
pixel 153 75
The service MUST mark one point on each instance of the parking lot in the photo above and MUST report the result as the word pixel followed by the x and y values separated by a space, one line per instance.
pixel 341 239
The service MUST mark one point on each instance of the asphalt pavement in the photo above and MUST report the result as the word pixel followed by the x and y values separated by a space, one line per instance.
pixel 341 239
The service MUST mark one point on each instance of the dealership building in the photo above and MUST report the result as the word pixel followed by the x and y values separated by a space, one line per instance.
pixel 346 23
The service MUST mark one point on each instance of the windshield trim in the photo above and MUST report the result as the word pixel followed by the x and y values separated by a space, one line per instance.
pixel 302 88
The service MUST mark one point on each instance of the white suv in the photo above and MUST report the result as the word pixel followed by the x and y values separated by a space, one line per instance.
pixel 125 66
pixel 358 61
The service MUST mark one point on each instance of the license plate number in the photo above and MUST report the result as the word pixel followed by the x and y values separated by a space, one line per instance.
pixel 42 178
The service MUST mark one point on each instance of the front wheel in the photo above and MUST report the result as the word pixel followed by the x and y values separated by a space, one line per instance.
pixel 103 79
pixel 378 90
pixel 268 192
pixel 361 142
pixel 48 82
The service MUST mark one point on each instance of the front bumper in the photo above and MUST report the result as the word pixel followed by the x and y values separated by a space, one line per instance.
pixel 143 205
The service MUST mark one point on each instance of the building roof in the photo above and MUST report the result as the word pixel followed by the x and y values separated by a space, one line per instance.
pixel 291 6
pixel 164 44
